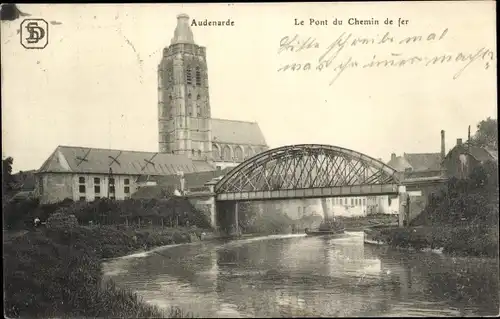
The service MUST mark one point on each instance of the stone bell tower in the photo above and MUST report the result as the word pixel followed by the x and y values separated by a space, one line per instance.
pixel 184 125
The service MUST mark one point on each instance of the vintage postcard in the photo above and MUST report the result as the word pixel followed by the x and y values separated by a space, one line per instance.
pixel 250 159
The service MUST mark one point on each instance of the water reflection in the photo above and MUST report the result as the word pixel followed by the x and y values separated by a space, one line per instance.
pixel 298 276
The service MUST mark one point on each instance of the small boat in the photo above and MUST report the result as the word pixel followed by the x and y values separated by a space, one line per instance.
pixel 327 228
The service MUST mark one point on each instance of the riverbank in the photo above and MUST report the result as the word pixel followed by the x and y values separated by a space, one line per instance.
pixel 57 272
pixel 468 240
pixel 364 222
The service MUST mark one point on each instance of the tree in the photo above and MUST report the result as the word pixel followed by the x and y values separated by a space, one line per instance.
pixel 487 133
pixel 7 178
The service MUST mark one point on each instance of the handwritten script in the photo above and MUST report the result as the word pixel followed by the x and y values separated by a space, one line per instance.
pixel 330 57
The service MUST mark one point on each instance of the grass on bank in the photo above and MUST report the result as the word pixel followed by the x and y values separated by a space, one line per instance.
pixel 473 240
pixel 57 273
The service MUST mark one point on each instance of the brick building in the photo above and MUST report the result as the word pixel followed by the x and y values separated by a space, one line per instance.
pixel 463 158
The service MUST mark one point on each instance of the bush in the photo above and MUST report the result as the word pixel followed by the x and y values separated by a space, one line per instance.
pixel 56 273
pixel 62 219
pixel 472 201
pixel 109 212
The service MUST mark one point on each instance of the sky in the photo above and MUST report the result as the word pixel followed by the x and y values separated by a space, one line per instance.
pixel 95 84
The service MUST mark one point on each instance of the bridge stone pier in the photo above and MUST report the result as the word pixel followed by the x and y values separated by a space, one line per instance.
pixel 227 218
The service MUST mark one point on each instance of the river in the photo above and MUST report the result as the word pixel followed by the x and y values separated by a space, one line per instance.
pixel 293 275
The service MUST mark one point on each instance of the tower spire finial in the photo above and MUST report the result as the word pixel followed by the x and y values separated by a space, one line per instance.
pixel 182 33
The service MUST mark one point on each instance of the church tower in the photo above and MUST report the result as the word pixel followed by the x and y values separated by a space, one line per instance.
pixel 184 119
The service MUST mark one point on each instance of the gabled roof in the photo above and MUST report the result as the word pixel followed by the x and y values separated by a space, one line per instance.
pixel 418 162
pixel 481 154
pixel 424 161
pixel 237 132
pixel 97 160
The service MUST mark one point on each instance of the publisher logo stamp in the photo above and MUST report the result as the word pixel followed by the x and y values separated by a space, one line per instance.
pixel 34 33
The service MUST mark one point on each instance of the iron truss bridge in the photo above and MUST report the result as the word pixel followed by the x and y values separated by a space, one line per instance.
pixel 307 171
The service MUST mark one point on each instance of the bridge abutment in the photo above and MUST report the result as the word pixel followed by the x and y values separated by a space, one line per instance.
pixel 402 195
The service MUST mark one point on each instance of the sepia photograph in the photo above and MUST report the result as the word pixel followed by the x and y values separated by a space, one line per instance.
pixel 245 160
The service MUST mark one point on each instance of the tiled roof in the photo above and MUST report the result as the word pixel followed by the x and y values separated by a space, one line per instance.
pixel 479 153
pixel 237 132
pixel 482 154
pixel 96 160
pixel 424 161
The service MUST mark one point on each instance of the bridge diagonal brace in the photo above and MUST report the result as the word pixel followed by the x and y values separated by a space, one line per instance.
pixel 318 173
pixel 333 170
pixel 301 173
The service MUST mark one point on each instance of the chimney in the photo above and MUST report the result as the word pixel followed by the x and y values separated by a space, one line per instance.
pixel 459 141
pixel 443 150
pixel 393 156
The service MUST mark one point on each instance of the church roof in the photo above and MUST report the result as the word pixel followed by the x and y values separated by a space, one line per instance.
pixel 237 132
pixel 96 160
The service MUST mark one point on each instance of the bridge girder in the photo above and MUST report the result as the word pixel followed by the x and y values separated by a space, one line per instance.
pixel 306 166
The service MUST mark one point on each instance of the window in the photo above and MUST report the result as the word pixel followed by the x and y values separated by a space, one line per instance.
pixel 189 79
pixel 215 152
pixel 198 97
pixel 82 197
pixel 352 202
pixel 126 189
pixel 238 154
pixel 198 76
pixel 199 152
pixel 81 188
pixel 226 156
pixel 340 201
pixel 97 189
pixel 189 96
pixel 364 201
pixel 81 180
pixel 97 180
pixel 126 181
pixel 170 73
